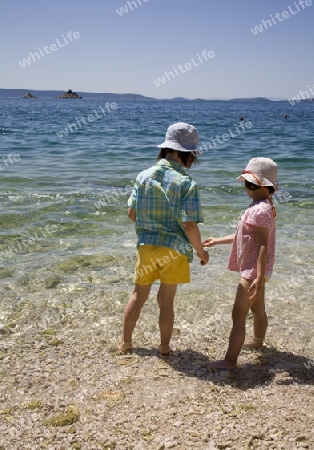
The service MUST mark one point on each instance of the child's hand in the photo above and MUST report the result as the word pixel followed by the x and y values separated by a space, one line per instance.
pixel 256 286
pixel 209 242
pixel 204 257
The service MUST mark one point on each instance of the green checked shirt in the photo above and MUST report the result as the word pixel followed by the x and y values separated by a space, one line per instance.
pixel 164 196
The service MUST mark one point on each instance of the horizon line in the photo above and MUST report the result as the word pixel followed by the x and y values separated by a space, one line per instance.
pixel 145 96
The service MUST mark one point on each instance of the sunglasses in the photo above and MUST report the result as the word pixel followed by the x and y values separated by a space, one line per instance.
pixel 251 186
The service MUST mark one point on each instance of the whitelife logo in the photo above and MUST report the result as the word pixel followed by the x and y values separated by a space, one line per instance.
pixel 129 7
pixel 53 47
pixel 23 245
pixel 168 76
pixel 281 16
pixel 10 159
pixel 309 364
pixel 90 118
pixel 225 137
pixel 114 197
pixel 304 94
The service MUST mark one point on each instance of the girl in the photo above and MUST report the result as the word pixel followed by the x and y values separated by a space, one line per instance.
pixel 252 255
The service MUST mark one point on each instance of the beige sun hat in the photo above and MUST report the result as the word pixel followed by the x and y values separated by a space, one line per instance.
pixel 261 171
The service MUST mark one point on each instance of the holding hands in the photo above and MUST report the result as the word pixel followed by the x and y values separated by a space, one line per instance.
pixel 204 257
pixel 209 242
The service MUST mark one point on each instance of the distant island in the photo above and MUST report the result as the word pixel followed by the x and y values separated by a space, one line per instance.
pixel 113 97
pixel 69 94
pixel 252 99
pixel 29 95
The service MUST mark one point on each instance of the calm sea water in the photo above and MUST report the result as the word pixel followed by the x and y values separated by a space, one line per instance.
pixel 63 200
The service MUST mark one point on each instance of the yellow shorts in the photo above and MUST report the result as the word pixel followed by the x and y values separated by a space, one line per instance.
pixel 161 263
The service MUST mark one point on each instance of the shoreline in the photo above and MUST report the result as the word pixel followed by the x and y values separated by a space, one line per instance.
pixel 60 353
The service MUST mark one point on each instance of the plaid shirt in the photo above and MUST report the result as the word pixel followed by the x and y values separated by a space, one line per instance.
pixel 164 196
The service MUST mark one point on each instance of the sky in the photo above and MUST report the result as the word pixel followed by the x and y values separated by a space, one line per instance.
pixel 159 48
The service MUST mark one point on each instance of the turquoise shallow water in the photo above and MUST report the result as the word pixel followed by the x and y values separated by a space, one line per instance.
pixel 63 200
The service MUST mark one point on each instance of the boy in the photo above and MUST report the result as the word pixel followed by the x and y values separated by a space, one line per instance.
pixel 165 207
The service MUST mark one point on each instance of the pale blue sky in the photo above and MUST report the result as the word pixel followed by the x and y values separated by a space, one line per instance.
pixel 127 53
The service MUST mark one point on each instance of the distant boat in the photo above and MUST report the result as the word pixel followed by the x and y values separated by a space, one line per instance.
pixel 29 95
pixel 69 94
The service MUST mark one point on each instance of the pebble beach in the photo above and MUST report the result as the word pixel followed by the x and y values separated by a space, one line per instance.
pixel 64 386
pixel 66 272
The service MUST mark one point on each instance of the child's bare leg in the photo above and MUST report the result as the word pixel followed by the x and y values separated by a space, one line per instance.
pixel 165 298
pixel 260 321
pixel 132 313
pixel 241 307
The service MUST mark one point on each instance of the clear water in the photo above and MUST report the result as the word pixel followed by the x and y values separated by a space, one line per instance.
pixel 90 246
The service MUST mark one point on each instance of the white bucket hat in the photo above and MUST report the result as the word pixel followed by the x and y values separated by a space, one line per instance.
pixel 261 171
pixel 182 137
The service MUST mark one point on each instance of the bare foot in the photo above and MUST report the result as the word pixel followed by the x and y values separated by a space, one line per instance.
pixel 221 364
pixel 125 347
pixel 254 345
pixel 164 350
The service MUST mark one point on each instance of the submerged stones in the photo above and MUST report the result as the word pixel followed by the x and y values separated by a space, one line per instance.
pixel 35 404
pixel 70 416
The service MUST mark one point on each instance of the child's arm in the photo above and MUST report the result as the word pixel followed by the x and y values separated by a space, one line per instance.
pixel 194 236
pixel 211 241
pixel 261 234
pixel 132 214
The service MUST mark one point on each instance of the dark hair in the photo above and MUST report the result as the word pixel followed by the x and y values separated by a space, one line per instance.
pixel 253 187
pixel 187 158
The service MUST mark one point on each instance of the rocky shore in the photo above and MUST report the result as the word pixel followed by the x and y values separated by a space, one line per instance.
pixel 63 385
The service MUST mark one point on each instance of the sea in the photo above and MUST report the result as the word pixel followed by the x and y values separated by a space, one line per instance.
pixel 67 169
